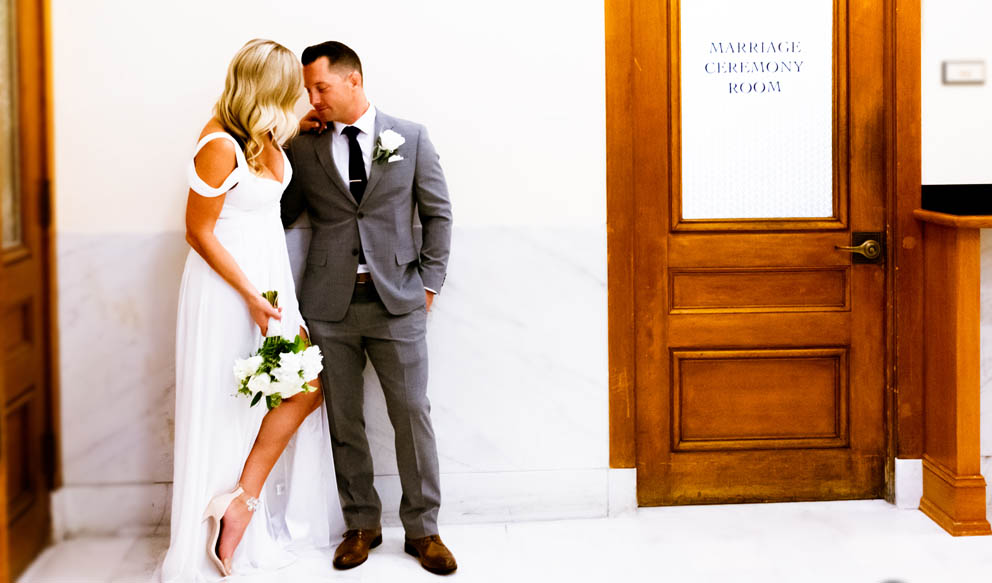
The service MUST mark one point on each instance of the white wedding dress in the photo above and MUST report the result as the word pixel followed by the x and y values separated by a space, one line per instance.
pixel 215 428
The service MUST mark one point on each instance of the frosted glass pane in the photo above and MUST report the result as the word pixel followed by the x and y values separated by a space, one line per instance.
pixel 757 109
pixel 10 199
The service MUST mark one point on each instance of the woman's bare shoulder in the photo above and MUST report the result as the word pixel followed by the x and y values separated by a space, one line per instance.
pixel 217 159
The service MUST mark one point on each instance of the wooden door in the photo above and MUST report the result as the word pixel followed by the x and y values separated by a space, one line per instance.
pixel 25 261
pixel 760 348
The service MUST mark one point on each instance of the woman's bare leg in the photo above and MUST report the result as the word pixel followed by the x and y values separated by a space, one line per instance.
pixel 278 426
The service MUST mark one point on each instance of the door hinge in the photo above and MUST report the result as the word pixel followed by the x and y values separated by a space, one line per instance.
pixel 45 204
pixel 48 458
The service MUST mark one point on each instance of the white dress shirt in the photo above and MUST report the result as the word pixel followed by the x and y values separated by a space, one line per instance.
pixel 342 153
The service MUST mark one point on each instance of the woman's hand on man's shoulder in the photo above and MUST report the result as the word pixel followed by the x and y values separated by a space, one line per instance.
pixel 311 123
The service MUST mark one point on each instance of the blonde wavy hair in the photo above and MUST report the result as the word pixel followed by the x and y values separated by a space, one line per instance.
pixel 264 81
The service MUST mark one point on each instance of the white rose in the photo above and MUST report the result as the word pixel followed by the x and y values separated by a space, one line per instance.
pixel 246 367
pixel 291 361
pixel 287 389
pixel 312 363
pixel 287 375
pixel 390 140
pixel 261 382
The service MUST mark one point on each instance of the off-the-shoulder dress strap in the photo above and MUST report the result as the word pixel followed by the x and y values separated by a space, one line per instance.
pixel 202 188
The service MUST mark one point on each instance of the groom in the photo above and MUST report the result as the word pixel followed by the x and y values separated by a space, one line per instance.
pixel 367 289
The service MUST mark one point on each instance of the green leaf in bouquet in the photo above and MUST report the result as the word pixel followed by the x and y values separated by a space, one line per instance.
pixel 300 344
pixel 272 296
pixel 273 401
pixel 256 399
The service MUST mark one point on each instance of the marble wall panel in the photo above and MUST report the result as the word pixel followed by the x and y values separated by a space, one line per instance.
pixel 117 298
pixel 517 344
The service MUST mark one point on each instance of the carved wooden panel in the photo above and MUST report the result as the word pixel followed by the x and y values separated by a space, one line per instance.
pixel 759 399
pixel 16 325
pixel 20 482
pixel 759 290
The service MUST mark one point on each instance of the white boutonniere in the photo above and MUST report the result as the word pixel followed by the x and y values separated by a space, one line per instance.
pixel 386 146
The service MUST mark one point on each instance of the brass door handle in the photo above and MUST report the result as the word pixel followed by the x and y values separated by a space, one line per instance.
pixel 871 249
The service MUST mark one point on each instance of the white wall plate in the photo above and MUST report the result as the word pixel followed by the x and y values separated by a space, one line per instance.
pixel 964 72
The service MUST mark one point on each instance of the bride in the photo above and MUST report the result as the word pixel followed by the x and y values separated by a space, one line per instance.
pixel 251 490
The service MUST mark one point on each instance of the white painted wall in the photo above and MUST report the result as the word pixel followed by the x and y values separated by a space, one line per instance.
pixel 957 142
pixel 513 99
pixel 513 95
pixel 957 119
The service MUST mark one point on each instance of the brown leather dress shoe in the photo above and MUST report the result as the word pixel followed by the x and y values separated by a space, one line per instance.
pixel 433 555
pixel 354 549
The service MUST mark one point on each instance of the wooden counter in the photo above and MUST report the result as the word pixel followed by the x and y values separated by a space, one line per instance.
pixel 953 486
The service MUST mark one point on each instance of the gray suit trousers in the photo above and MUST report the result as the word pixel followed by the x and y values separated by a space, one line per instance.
pixel 397 347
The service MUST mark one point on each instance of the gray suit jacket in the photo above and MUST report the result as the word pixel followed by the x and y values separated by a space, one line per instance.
pixel 397 192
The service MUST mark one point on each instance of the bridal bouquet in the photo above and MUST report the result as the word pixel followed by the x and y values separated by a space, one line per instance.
pixel 281 368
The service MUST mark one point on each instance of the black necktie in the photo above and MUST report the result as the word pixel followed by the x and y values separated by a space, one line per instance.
pixel 356 164
pixel 356 174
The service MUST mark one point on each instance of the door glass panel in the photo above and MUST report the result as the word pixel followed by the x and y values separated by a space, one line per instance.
pixel 757 109
pixel 10 198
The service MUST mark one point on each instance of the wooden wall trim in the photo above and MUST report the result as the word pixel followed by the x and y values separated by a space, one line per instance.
pixel 620 232
pixel 957 221
pixel 907 238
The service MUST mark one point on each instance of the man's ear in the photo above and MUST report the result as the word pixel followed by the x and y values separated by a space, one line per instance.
pixel 355 78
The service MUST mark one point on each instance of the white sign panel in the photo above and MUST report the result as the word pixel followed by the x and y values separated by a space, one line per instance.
pixel 757 109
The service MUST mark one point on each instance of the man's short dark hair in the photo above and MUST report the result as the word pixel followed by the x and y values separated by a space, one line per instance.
pixel 338 55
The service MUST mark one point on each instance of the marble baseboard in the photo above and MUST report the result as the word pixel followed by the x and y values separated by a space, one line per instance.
pixel 509 496
pixel 144 509
pixel 909 483
pixel 111 509
pixel 623 491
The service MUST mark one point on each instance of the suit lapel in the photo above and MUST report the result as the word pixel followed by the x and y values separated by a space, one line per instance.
pixel 382 123
pixel 325 154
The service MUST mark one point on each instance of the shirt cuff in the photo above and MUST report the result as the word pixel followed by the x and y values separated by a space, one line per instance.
pixel 430 290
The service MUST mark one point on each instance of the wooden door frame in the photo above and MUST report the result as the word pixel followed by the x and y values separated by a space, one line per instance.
pixel 904 301
pixel 51 273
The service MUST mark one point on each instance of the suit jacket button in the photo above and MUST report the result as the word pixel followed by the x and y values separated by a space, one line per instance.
pixel 361 215
pixel 354 251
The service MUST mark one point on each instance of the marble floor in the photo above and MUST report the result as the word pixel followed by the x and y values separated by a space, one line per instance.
pixel 850 542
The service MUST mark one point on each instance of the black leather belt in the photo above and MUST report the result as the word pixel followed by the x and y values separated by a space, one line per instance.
pixel 364 289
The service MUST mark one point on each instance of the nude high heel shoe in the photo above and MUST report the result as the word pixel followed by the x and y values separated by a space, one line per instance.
pixel 215 512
